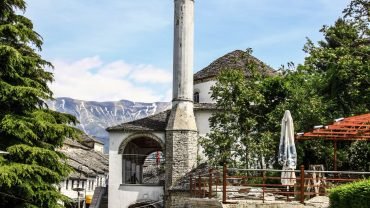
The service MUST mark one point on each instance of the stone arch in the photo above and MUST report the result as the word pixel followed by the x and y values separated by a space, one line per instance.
pixel 134 136
pixel 135 149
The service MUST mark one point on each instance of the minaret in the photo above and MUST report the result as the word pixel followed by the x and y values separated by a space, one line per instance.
pixel 181 132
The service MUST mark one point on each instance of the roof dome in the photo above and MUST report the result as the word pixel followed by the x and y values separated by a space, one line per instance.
pixel 237 59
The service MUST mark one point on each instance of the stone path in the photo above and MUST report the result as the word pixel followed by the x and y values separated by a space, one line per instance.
pixel 316 202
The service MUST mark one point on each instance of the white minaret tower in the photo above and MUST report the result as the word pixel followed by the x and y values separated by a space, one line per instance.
pixel 181 132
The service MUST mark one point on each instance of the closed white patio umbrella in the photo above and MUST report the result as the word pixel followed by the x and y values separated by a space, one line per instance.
pixel 287 151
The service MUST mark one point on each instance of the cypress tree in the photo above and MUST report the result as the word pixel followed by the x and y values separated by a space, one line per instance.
pixel 29 131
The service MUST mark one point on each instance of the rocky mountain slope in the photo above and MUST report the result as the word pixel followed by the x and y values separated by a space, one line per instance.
pixel 95 117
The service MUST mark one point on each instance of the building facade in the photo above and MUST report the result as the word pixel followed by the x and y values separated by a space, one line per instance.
pixel 148 135
pixel 90 168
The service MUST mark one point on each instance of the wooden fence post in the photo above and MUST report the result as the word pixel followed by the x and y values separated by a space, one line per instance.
pixel 200 186
pixel 263 186
pixel 302 184
pixel 210 184
pixel 224 183
pixel 191 184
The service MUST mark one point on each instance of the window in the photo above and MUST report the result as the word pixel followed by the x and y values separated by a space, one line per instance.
pixel 83 184
pixel 67 183
pixel 196 97
pixel 73 183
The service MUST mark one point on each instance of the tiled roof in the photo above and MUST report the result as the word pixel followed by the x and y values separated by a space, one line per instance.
pixel 157 122
pixel 235 60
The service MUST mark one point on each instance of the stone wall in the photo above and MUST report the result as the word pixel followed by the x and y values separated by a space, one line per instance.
pixel 177 199
pixel 182 199
pixel 181 155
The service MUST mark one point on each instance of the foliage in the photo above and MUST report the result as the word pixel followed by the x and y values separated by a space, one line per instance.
pixel 221 142
pixel 340 65
pixel 28 130
pixel 355 195
pixel 359 156
pixel 333 82
pixel 342 60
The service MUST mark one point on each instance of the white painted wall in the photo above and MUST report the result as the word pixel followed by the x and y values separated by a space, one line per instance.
pixel 67 191
pixel 202 120
pixel 115 195
pixel 99 147
pixel 204 90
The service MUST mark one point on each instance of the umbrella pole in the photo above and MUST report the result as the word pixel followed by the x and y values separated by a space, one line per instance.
pixel 335 155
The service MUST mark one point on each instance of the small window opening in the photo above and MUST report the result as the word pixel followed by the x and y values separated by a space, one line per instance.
pixel 196 97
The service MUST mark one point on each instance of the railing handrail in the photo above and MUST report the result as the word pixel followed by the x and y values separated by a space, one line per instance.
pixel 306 171
pixel 304 184
pixel 343 172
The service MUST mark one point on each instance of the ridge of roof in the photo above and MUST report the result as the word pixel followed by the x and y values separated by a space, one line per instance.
pixel 87 138
pixel 74 143
pixel 234 60
pixel 156 122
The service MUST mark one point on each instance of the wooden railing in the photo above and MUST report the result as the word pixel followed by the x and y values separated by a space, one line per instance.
pixel 263 183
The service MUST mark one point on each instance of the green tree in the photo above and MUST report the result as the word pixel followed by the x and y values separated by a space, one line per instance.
pixel 28 130
pixel 223 139
pixel 234 137
pixel 340 66
pixel 342 60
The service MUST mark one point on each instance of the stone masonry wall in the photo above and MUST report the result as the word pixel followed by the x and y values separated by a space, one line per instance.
pixel 177 199
pixel 181 155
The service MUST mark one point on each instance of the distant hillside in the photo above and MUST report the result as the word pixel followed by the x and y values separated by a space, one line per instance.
pixel 95 117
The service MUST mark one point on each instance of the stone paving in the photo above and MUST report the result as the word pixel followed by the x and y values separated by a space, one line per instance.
pixel 316 202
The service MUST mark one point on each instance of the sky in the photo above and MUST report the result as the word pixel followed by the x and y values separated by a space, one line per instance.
pixel 122 49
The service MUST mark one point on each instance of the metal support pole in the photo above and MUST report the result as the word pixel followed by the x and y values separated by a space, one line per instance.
pixel 224 176
pixel 302 184
pixel 78 199
pixel 210 184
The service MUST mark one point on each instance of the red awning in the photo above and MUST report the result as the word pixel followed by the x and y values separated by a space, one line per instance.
pixel 350 128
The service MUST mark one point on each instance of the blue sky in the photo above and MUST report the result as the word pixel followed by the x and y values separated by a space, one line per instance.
pixel 122 49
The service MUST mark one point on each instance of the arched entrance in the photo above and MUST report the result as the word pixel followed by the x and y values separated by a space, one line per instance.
pixel 142 156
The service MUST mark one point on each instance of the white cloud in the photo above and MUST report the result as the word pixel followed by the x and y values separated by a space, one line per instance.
pixel 148 73
pixel 92 79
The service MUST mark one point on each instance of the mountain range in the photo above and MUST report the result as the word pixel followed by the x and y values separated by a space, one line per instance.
pixel 94 117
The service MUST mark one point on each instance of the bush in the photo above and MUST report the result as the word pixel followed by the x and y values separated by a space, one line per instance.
pixel 352 195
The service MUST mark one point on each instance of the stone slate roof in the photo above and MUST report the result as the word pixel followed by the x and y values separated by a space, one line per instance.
pixel 87 139
pixel 90 161
pixel 157 122
pixel 74 143
pixel 235 60
pixel 82 157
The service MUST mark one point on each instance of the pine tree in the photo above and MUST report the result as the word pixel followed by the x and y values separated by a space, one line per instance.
pixel 29 131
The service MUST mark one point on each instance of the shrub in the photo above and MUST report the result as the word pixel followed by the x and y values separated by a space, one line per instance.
pixel 351 195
